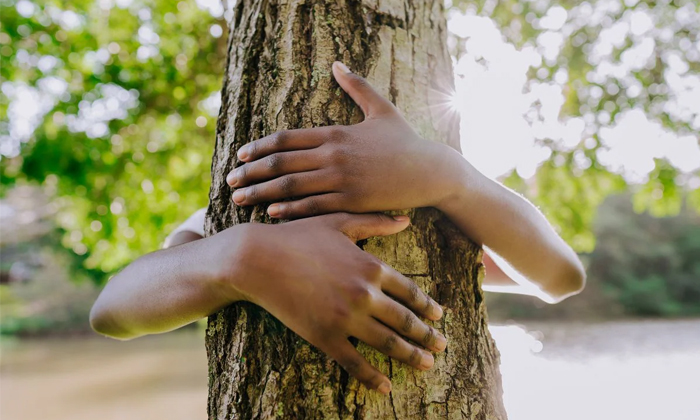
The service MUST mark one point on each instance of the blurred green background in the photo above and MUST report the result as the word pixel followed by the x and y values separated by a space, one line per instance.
pixel 109 113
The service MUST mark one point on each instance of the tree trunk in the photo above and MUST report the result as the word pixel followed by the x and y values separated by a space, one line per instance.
pixel 279 77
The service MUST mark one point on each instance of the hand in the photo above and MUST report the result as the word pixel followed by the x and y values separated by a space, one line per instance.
pixel 311 276
pixel 379 164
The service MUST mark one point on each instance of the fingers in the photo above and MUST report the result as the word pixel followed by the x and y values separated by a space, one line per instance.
pixel 364 95
pixel 363 226
pixel 405 322
pixel 272 166
pixel 355 365
pixel 408 292
pixel 306 207
pixel 292 185
pixel 283 141
pixel 388 342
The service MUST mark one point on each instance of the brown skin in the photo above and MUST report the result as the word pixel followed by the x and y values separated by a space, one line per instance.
pixel 286 269
pixel 383 164
pixel 351 292
pixel 379 164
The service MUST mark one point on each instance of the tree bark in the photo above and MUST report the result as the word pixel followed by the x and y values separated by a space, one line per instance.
pixel 278 77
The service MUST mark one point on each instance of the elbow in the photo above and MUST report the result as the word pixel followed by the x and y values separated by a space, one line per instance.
pixel 569 281
pixel 102 322
pixel 99 320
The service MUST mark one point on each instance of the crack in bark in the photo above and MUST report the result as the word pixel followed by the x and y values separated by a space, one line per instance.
pixel 393 92
pixel 391 394
pixel 380 18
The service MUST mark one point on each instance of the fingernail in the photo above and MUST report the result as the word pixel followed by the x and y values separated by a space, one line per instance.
pixel 440 342
pixel 385 388
pixel 230 179
pixel 437 310
pixel 243 153
pixel 239 196
pixel 274 210
pixel 400 218
pixel 342 67
pixel 427 361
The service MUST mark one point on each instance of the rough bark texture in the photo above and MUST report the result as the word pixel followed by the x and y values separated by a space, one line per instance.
pixel 278 77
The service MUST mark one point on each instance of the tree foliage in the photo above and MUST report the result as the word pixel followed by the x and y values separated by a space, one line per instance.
pixel 648 265
pixel 110 105
pixel 611 59
pixel 128 93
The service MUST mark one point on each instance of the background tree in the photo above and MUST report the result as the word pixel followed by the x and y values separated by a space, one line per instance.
pixel 121 179
pixel 110 106
pixel 278 77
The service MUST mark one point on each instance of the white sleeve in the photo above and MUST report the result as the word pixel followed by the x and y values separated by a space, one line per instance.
pixel 194 224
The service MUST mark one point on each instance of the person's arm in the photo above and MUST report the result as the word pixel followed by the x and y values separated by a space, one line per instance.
pixel 500 278
pixel 184 237
pixel 167 289
pixel 309 274
pixel 383 164
pixel 515 230
pixel 190 230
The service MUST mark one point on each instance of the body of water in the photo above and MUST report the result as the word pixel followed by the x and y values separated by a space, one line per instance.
pixel 637 370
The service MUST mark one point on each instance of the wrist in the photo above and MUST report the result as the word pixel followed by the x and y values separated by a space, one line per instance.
pixel 232 244
pixel 454 178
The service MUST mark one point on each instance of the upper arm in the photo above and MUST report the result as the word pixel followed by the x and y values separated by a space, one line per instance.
pixel 190 230
pixel 183 237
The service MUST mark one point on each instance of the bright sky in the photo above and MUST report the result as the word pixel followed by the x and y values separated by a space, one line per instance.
pixel 505 116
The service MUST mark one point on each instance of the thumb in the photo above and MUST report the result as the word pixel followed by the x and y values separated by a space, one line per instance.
pixel 359 89
pixel 363 226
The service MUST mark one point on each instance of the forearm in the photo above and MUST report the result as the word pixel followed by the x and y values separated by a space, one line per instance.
pixel 167 289
pixel 513 228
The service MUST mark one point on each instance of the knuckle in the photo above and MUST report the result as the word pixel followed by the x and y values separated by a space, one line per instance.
pixel 361 296
pixel 415 356
pixel 429 337
pixel 253 148
pixel 339 156
pixel 337 132
pixel 241 173
pixel 341 222
pixel 381 218
pixel 252 193
pixel 287 184
pixel 326 153
pixel 279 138
pixel 428 304
pixel 273 162
pixel 408 322
pixel 312 207
pixel 389 343
pixel 360 82
pixel 352 365
pixel 413 293
pixel 374 269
